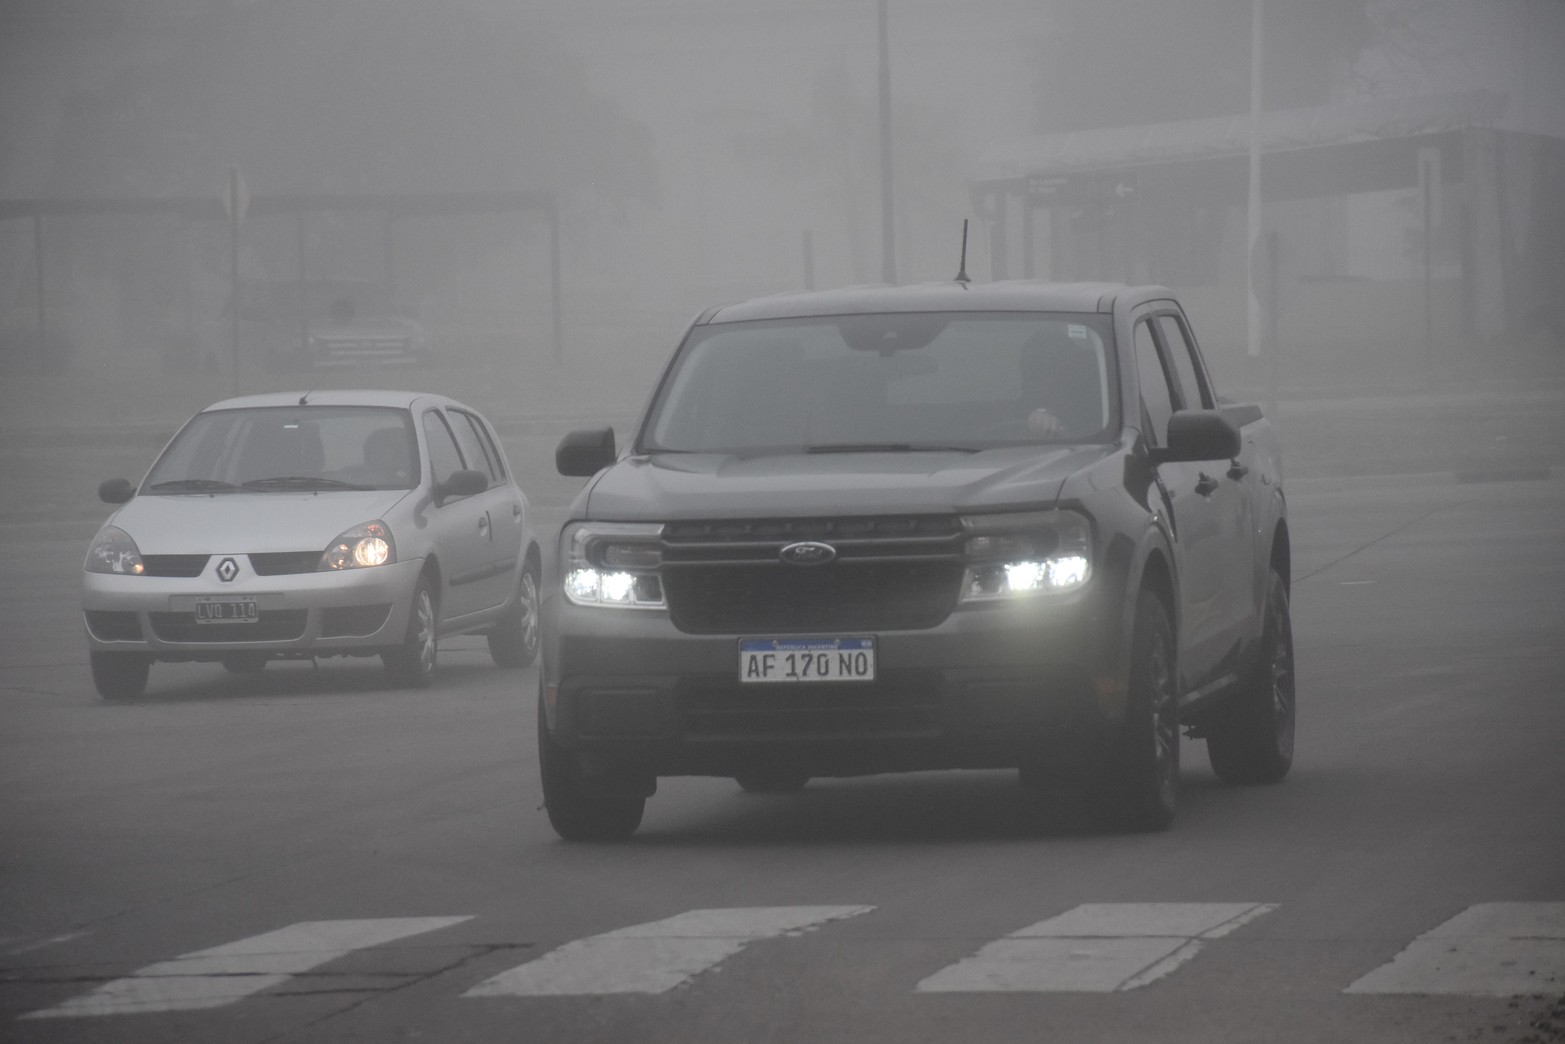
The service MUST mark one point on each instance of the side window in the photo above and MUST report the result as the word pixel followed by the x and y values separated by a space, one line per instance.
pixel 1176 339
pixel 489 456
pixel 1156 398
pixel 444 459
pixel 472 448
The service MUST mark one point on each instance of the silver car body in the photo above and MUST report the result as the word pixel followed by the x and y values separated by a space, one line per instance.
pixel 262 547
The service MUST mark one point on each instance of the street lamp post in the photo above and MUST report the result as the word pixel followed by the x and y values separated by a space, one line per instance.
pixel 888 246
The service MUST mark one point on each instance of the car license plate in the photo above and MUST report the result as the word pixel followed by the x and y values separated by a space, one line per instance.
pixel 817 659
pixel 226 611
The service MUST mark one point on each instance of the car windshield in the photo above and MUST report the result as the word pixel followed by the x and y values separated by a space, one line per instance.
pixel 288 449
pixel 892 383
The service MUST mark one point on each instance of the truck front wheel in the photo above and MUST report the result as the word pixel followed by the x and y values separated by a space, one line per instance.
pixel 1137 785
pixel 1252 739
pixel 578 809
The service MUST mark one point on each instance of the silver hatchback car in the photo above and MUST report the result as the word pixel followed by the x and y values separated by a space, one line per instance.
pixel 328 523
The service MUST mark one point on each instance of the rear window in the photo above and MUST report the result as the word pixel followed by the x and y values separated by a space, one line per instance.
pixel 960 379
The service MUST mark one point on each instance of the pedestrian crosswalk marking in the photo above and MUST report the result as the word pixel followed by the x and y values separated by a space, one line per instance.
pixel 657 956
pixel 1095 948
pixel 224 974
pixel 1487 950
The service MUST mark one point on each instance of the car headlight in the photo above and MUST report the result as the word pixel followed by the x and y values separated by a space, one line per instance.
pixel 1026 553
pixel 360 547
pixel 613 564
pixel 113 551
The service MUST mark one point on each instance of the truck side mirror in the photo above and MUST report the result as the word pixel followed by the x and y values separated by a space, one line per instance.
pixel 585 452
pixel 1198 435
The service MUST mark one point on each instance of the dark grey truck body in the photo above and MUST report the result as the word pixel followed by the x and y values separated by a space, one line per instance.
pixel 1163 606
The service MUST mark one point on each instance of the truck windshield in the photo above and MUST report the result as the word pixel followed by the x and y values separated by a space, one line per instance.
pixel 899 382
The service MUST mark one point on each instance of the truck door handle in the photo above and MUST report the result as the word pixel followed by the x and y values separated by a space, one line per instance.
pixel 1205 485
pixel 1238 471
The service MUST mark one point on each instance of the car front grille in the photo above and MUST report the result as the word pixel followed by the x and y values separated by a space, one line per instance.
pixel 174 565
pixel 275 625
pixel 888 573
pixel 282 563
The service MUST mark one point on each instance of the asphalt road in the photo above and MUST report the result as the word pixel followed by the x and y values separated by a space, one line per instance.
pixel 305 856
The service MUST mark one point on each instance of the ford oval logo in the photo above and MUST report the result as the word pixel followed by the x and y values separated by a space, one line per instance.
pixel 807 552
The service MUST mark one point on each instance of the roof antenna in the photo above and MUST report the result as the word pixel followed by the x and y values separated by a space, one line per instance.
pixel 961 268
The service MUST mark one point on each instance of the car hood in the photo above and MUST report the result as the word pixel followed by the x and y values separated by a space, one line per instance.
pixel 701 485
pixel 248 522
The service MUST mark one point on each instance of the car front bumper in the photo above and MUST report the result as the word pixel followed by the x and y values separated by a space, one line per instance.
pixel 355 611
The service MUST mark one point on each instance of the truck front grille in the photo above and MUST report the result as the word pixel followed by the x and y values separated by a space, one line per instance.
pixel 901 704
pixel 879 596
pixel 889 573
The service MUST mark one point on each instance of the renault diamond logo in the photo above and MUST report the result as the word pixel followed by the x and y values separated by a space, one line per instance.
pixel 227 569
pixel 807 552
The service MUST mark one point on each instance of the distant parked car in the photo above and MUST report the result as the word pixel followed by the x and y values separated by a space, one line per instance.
pixel 328 322
pixel 295 526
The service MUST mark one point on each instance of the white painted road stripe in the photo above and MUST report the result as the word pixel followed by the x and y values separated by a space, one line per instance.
pixel 227 973
pixel 1487 950
pixel 1095 948
pixel 657 956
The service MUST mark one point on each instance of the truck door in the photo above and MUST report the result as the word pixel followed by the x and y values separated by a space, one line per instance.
pixel 1233 512
pixel 1186 490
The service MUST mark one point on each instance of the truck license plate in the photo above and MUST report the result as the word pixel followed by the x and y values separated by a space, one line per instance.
pixel 817 659
pixel 226 611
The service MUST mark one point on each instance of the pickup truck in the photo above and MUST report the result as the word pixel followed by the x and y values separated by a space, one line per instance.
pixel 944 526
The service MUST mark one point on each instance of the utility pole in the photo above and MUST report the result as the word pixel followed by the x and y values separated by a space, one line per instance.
pixel 888 244
pixel 1253 211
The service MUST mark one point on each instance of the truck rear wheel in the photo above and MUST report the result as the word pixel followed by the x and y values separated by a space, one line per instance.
pixel 1138 784
pixel 579 810
pixel 1251 741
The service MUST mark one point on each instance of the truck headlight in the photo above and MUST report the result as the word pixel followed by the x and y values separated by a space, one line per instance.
pixel 1026 553
pixel 613 564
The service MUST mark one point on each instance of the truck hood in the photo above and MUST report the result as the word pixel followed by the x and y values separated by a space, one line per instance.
pixel 248 522
pixel 704 485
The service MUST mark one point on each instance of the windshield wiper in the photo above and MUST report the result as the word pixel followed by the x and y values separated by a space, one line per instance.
pixel 192 485
pixel 888 447
pixel 301 482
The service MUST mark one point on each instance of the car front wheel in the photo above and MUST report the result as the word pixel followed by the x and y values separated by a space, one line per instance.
pixel 120 676
pixel 514 640
pixel 412 664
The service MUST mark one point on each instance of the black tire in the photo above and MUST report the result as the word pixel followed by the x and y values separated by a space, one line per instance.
pixel 771 781
pixel 514 641
pixel 578 811
pixel 120 676
pixel 1137 787
pixel 245 662
pixel 1251 740
pixel 412 664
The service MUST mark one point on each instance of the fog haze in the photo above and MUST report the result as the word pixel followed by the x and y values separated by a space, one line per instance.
pixel 698 151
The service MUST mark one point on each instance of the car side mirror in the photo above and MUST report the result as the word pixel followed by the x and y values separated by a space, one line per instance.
pixel 115 491
pixel 1198 435
pixel 462 484
pixel 585 452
